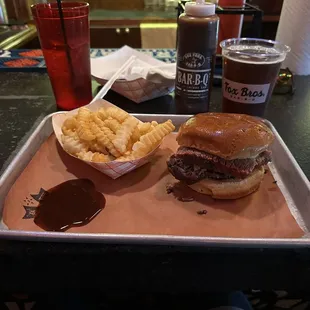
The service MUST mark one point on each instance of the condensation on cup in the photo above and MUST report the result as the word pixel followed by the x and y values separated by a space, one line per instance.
pixel 250 71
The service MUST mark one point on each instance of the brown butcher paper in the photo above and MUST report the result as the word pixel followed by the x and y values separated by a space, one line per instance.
pixel 137 203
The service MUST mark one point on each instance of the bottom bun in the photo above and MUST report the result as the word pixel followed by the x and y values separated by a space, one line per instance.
pixel 230 189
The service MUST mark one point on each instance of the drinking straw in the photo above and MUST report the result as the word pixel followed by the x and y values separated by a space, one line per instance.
pixel 114 77
pixel 63 28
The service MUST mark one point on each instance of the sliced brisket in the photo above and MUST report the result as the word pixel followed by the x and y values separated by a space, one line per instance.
pixel 192 165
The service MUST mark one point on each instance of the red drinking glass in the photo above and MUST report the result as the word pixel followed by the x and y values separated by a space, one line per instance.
pixel 231 24
pixel 67 60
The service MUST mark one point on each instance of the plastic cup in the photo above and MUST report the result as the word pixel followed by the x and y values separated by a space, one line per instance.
pixel 230 24
pixel 68 65
pixel 250 71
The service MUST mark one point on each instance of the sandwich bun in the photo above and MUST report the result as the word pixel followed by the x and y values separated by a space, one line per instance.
pixel 227 135
pixel 230 188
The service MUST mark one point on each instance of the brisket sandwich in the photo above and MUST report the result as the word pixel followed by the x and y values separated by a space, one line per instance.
pixel 222 155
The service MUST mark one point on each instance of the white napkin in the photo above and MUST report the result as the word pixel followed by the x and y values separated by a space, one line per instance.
pixel 145 66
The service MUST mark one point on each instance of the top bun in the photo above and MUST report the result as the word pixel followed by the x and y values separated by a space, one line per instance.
pixel 226 135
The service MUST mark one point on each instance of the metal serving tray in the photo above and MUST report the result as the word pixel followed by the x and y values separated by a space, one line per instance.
pixel 289 175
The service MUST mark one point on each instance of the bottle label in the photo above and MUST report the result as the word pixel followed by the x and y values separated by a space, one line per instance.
pixel 245 93
pixel 193 76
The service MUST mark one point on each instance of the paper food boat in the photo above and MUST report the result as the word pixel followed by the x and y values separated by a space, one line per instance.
pixel 113 169
pixel 135 87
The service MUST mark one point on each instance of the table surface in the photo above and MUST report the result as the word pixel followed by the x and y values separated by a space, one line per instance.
pixel 25 98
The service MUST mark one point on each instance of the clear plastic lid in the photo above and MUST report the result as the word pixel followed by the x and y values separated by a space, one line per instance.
pixel 252 50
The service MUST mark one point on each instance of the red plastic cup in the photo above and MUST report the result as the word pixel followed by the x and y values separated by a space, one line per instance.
pixel 230 25
pixel 68 66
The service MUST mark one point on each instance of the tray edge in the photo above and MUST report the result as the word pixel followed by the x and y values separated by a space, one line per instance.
pixel 11 174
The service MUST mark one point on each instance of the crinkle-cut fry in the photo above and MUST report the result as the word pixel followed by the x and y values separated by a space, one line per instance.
pixel 142 150
pixel 113 124
pixel 97 120
pixel 94 114
pixel 96 147
pixel 101 158
pixel 126 157
pixel 95 157
pixel 123 135
pixel 153 125
pixel 150 140
pixel 144 128
pixel 135 135
pixel 106 142
pixel 107 131
pixel 104 137
pixel 70 122
pixel 102 114
pixel 117 113
pixel 69 126
pixel 130 145
pixel 88 156
pixel 73 145
pixel 68 132
pixel 83 130
pixel 83 114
